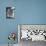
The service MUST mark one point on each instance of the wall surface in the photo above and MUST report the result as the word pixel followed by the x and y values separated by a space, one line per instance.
pixel 31 11
pixel 27 12
pixel 6 25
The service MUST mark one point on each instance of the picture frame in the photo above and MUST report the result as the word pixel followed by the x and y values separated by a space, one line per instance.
pixel 10 12
pixel 36 32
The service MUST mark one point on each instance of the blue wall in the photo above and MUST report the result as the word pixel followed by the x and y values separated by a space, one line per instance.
pixel 31 11
pixel 6 25
pixel 27 12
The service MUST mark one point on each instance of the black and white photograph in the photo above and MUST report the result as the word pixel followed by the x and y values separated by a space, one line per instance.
pixel 10 12
pixel 31 34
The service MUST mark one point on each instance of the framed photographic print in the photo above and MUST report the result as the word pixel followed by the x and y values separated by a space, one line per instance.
pixel 33 32
pixel 10 12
